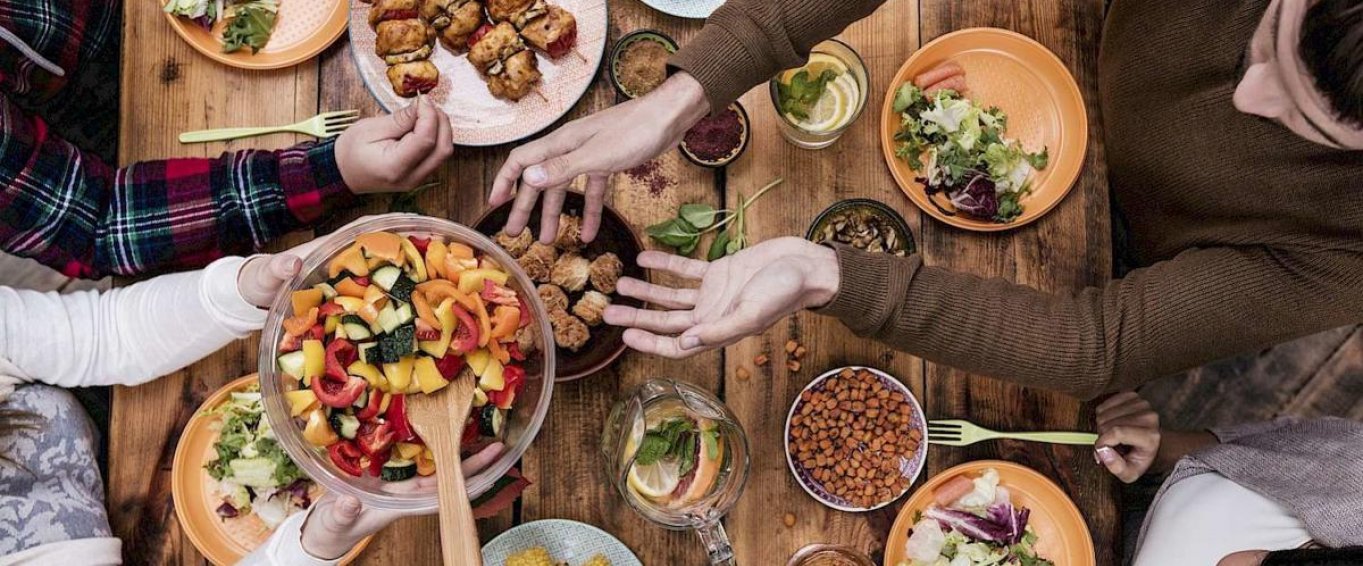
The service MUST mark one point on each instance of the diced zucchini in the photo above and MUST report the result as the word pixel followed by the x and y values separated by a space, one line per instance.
pixel 490 421
pixel 328 292
pixel 388 318
pixel 385 277
pixel 398 469
pixel 368 353
pixel 398 343
pixel 402 289
pixel 355 327
pixel 405 314
pixel 291 364
pixel 345 425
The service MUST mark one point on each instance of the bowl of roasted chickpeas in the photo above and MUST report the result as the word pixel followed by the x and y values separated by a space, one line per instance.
pixel 576 280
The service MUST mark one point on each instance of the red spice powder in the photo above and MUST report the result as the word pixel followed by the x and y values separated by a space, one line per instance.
pixel 650 173
pixel 715 137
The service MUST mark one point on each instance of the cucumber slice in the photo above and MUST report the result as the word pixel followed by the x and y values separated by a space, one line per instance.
pixel 405 314
pixel 397 469
pixel 345 425
pixel 328 292
pixel 388 318
pixel 385 276
pixel 356 328
pixel 369 352
pixel 292 364
pixel 402 289
pixel 491 421
pixel 398 343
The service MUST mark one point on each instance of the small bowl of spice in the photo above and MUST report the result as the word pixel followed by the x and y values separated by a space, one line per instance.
pixel 718 139
pixel 639 61
pixel 854 439
pixel 865 224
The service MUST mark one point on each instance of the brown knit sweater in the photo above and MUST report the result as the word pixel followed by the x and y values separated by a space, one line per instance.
pixel 1251 235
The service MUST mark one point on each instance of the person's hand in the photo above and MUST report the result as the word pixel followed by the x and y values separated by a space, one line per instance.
pixel 261 277
pixel 607 142
pixel 397 152
pixel 1244 558
pixel 339 522
pixel 739 296
pixel 1128 422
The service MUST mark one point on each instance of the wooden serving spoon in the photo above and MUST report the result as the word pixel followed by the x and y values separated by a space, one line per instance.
pixel 439 418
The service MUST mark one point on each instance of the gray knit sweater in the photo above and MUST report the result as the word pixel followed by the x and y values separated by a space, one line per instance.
pixel 1313 467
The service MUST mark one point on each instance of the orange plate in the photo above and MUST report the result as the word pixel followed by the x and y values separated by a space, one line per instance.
pixel 1042 101
pixel 303 29
pixel 221 542
pixel 1062 535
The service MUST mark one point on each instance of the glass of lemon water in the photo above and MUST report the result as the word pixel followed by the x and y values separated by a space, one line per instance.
pixel 819 101
pixel 679 458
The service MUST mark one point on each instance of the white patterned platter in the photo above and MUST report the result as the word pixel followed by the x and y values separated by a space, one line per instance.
pixel 695 9
pixel 566 541
pixel 480 119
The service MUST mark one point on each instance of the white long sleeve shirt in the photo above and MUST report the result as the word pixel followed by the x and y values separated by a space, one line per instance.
pixel 129 336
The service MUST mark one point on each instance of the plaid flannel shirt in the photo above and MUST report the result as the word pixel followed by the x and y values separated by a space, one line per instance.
pixel 69 210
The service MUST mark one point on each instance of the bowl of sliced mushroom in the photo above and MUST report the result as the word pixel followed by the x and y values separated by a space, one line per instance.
pixel 864 224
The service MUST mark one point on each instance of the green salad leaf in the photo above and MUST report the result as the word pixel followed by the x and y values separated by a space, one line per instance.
pixel 250 25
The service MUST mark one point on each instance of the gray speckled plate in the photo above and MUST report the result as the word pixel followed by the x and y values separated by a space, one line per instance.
pixel 567 541
pixel 696 9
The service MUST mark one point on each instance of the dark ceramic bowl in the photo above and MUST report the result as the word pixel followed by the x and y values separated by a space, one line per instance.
pixel 629 39
pixel 733 155
pixel 895 220
pixel 607 342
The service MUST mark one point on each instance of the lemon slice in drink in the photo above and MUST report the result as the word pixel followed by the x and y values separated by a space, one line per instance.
pixel 655 481
pixel 831 111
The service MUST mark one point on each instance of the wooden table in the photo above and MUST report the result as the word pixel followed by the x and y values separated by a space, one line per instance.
pixel 168 88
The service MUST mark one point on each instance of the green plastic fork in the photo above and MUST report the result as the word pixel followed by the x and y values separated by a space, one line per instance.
pixel 964 433
pixel 324 125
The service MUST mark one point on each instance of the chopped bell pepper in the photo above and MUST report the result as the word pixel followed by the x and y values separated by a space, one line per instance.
pixel 340 354
pixel 370 373
pixel 498 294
pixel 498 352
pixel 375 437
pixel 428 376
pixel 444 314
pixel 416 261
pixel 305 300
pixel 318 431
pixel 299 325
pixel 396 415
pixel 346 456
pixel 399 374
pixel 348 287
pixel 337 394
pixel 371 409
pixel 471 281
pixel 314 359
pixel 423 308
pixel 506 321
pixel 465 337
pixel 301 401
pixel 484 321
pixel 435 259
pixel 449 366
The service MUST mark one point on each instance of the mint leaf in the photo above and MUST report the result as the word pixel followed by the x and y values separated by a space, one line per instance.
pixel 676 233
pixel 653 447
pixel 718 248
pixel 799 96
pixel 701 216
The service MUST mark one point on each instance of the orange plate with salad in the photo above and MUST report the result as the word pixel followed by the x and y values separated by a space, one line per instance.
pixel 258 34
pixel 221 527
pixel 989 507
pixel 390 308
pixel 1011 141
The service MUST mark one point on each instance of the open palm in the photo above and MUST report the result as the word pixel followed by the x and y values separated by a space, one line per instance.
pixel 739 296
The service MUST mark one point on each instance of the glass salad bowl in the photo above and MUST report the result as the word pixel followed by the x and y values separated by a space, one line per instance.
pixel 522 421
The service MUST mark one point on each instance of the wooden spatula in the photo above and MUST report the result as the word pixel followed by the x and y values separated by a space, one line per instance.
pixel 439 418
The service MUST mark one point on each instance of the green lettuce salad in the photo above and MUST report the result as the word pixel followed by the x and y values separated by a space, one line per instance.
pixel 960 149
pixel 253 472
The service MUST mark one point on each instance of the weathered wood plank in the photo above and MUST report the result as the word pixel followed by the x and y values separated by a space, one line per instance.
pixel 850 168
pixel 1066 250
pixel 168 88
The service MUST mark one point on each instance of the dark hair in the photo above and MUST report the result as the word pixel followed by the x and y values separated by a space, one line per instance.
pixel 1332 48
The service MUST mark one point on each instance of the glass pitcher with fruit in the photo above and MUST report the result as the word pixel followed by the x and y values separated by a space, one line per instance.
pixel 679 457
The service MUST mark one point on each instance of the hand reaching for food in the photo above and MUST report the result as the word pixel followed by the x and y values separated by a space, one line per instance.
pixel 396 152
pixel 596 146
pixel 339 522
pixel 739 296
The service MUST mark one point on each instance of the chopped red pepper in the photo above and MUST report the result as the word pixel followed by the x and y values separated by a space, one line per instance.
pixel 346 457
pixel 515 380
pixel 340 354
pixel 525 312
pixel 497 294
pixel 466 333
pixel 449 366
pixel 331 308
pixel 470 433
pixel 374 437
pixel 336 394
pixel 426 332
pixel 318 332
pixel 514 350
pixel 396 415
pixel 371 409
pixel 375 464
pixel 290 343
pixel 420 243
pixel 361 281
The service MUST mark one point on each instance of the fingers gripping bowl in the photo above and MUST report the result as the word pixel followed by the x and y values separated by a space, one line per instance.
pixel 517 427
